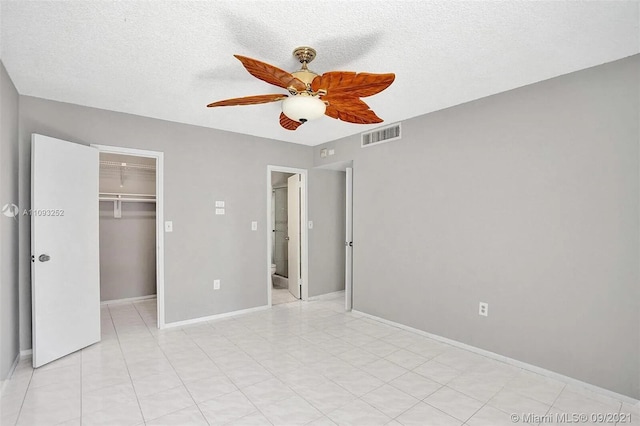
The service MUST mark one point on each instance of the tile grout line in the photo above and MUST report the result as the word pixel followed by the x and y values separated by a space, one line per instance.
pixel 286 384
pixel 174 370
pixel 555 399
pixel 228 378
pixel 350 364
pixel 412 370
pixel 126 363
pixel 24 398
pixel 81 375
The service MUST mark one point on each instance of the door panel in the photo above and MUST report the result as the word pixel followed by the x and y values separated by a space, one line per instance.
pixel 293 205
pixel 65 273
pixel 348 270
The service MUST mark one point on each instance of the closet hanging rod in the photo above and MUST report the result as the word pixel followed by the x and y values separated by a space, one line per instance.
pixel 135 200
pixel 127 194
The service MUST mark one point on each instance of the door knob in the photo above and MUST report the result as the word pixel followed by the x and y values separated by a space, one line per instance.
pixel 44 258
pixel 286 238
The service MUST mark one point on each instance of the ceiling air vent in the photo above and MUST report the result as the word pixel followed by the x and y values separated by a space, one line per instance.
pixel 385 134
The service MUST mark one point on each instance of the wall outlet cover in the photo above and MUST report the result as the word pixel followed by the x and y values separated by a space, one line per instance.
pixel 168 226
pixel 483 309
pixel 254 226
pixel 216 284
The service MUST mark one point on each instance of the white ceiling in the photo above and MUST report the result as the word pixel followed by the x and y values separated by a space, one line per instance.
pixel 168 59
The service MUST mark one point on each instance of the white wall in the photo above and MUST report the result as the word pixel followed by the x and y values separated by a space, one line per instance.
pixel 127 251
pixel 202 165
pixel 9 315
pixel 528 200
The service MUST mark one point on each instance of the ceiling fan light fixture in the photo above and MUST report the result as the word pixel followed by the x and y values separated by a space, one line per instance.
pixel 303 108
pixel 335 93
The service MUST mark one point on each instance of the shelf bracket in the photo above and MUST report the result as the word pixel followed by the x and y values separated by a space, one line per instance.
pixel 117 209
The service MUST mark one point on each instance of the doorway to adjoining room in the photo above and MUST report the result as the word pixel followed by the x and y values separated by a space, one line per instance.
pixel 286 209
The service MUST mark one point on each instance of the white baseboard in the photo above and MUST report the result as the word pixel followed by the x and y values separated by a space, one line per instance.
pixel 326 296
pixel 128 300
pixel 10 374
pixel 215 317
pixel 514 362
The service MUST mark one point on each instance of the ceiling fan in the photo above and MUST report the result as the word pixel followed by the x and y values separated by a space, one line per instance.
pixel 335 93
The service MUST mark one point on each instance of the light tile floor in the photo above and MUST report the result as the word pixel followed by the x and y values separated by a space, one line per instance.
pixel 281 295
pixel 295 364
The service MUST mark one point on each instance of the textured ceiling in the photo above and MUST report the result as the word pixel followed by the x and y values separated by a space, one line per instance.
pixel 168 59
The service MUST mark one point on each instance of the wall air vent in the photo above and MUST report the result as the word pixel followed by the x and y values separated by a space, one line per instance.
pixel 380 135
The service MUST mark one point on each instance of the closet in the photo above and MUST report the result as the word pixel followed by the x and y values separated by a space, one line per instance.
pixel 127 227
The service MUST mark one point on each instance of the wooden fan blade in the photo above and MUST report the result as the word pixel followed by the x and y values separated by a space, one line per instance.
pixel 270 74
pixel 345 83
pixel 249 100
pixel 288 123
pixel 352 110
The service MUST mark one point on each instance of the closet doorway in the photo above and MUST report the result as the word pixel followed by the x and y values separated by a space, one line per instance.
pixel 131 230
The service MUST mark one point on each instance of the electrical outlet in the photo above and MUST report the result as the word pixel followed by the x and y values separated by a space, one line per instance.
pixel 216 284
pixel 332 151
pixel 483 309
pixel 323 153
pixel 254 226
pixel 168 226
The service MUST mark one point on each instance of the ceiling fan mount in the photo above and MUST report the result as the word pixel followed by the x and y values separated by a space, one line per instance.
pixel 305 54
pixel 335 93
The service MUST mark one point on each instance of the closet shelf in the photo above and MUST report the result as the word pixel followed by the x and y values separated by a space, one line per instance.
pixel 127 166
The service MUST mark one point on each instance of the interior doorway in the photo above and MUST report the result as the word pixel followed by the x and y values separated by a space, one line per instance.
pixel 287 235
pixel 131 206
pixel 346 167
pixel 348 264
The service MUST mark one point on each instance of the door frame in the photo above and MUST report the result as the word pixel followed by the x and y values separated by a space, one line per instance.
pixel 304 230
pixel 348 264
pixel 159 156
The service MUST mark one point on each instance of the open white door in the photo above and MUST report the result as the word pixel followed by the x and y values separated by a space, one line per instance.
pixel 293 219
pixel 65 268
pixel 348 262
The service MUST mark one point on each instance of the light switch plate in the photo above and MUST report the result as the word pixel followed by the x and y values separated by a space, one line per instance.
pixel 310 224
pixel 216 284
pixel 254 226
pixel 219 211
pixel 219 203
pixel 332 151
pixel 168 226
